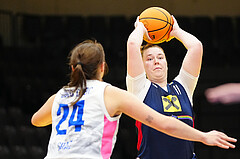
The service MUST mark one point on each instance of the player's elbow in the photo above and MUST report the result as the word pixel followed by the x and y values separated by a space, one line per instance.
pixel 169 125
pixel 167 128
pixel 199 46
pixel 131 43
pixel 36 121
pixel 132 46
pixel 196 48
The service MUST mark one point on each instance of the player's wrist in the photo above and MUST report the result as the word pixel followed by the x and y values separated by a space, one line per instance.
pixel 203 137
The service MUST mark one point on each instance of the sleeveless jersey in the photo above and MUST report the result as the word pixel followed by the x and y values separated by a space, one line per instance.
pixel 84 130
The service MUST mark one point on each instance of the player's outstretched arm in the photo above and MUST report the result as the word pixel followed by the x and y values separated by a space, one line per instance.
pixel 43 116
pixel 119 101
pixel 216 138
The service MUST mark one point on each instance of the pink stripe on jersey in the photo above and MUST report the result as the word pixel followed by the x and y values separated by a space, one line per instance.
pixel 107 138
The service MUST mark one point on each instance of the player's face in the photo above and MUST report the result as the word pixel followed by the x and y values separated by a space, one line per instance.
pixel 155 64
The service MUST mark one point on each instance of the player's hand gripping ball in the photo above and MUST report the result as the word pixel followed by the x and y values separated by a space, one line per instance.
pixel 158 23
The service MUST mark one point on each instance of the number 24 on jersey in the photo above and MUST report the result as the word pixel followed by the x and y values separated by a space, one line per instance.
pixel 77 110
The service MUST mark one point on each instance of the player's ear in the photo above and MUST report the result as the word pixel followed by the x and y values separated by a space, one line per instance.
pixel 103 67
pixel 72 68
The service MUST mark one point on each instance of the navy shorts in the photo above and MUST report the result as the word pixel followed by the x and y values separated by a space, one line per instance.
pixel 194 156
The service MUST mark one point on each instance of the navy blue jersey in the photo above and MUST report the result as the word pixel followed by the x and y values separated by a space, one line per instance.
pixel 153 144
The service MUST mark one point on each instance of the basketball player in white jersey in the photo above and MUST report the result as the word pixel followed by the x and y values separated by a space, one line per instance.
pixel 85 113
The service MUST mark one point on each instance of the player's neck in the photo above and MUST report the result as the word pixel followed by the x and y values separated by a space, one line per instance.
pixel 162 84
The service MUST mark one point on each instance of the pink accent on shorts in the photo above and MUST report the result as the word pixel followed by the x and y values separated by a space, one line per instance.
pixel 107 138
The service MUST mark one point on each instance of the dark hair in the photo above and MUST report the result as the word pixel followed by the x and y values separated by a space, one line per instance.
pixel 85 59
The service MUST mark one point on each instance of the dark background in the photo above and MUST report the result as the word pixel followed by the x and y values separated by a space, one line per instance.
pixel 34 45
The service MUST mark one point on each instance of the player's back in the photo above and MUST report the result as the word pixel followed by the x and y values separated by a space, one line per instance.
pixel 84 130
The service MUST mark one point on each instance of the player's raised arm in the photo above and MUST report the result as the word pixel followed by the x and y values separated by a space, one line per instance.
pixel 193 58
pixel 134 58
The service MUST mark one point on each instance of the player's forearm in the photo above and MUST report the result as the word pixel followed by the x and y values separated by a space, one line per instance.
pixel 134 58
pixel 178 129
pixel 188 40
pixel 136 37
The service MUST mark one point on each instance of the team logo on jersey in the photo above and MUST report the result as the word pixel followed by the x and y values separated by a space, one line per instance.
pixel 171 104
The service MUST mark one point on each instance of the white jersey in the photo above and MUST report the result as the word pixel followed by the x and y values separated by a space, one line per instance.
pixel 85 130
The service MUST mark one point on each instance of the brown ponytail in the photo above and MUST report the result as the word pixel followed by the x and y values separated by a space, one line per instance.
pixel 85 59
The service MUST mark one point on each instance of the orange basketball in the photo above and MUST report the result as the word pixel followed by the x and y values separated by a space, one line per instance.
pixel 158 23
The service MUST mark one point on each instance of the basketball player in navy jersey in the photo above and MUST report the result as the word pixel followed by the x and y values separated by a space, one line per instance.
pixel 147 79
